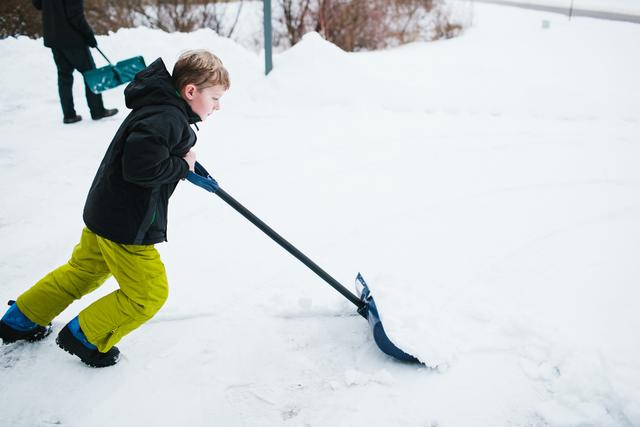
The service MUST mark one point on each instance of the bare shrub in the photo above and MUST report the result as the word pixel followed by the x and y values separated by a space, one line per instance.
pixel 179 15
pixel 350 24
pixel 296 15
pixel 107 15
pixel 369 24
pixel 19 17
pixel 442 26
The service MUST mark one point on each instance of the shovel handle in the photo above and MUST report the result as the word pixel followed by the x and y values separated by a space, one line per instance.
pixel 289 248
pixel 103 55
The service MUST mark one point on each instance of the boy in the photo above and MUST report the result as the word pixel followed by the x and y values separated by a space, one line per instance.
pixel 126 214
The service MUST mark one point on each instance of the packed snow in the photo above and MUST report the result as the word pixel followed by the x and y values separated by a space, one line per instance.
pixel 629 7
pixel 487 187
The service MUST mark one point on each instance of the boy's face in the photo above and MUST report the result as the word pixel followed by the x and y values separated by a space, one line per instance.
pixel 205 101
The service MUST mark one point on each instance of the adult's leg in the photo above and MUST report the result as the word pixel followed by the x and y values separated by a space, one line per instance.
pixel 65 82
pixel 85 271
pixel 82 61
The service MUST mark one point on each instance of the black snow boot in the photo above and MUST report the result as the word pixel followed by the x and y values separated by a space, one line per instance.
pixel 108 112
pixel 15 326
pixel 68 342
pixel 71 119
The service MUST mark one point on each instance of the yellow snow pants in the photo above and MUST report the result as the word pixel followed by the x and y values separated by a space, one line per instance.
pixel 140 275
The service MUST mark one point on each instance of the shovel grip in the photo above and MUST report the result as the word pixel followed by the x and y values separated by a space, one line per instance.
pixel 290 248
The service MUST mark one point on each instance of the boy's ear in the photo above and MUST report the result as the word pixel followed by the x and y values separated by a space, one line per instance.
pixel 189 91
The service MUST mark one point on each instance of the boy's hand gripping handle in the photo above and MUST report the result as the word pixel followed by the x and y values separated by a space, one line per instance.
pixel 202 179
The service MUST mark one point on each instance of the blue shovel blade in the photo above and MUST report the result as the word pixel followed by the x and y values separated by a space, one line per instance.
pixel 370 312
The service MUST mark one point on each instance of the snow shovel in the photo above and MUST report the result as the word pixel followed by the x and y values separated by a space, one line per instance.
pixel 104 78
pixel 366 305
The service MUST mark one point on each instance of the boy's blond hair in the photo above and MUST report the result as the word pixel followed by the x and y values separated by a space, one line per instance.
pixel 200 68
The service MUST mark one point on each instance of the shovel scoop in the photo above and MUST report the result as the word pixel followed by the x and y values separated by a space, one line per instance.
pixel 104 78
pixel 365 304
pixel 370 312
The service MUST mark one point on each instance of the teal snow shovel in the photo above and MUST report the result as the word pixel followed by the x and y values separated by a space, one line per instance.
pixel 365 305
pixel 104 78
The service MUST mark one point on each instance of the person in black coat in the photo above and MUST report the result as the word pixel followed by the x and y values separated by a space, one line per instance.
pixel 67 33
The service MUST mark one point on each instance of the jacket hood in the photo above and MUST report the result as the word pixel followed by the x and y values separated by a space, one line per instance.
pixel 154 86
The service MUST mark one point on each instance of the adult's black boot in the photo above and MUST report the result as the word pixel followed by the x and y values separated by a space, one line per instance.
pixel 108 112
pixel 72 119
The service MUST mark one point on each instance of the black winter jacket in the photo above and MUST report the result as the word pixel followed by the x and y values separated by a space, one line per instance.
pixel 129 197
pixel 64 24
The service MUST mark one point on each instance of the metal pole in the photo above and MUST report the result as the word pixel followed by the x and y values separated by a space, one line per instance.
pixel 268 40
pixel 571 10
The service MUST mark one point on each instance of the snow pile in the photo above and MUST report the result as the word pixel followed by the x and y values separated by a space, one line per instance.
pixel 486 187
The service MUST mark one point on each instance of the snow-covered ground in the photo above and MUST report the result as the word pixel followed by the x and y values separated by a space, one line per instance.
pixel 487 187
pixel 630 7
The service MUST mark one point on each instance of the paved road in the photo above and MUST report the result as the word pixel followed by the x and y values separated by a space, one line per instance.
pixel 565 11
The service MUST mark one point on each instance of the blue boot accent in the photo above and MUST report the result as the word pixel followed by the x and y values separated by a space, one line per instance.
pixel 15 319
pixel 74 327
